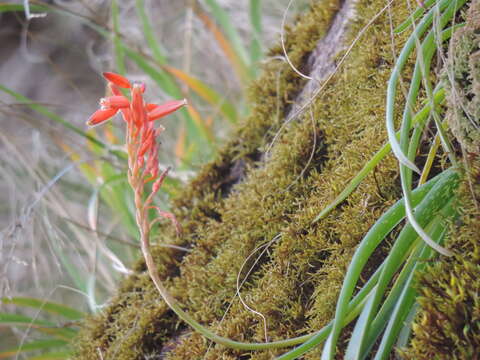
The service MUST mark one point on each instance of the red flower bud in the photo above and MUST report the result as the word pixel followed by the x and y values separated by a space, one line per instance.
pixel 146 145
pixel 117 79
pixel 114 102
pixel 165 109
pixel 101 116
pixel 137 105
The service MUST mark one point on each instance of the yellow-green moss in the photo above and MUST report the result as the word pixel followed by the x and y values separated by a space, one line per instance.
pixel 464 81
pixel 296 284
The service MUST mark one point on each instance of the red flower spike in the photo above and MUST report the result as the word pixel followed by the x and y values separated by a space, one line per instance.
pixel 117 79
pixel 114 102
pixel 165 109
pixel 100 116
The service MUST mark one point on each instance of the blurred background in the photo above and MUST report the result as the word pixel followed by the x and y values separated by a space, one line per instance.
pixel 67 228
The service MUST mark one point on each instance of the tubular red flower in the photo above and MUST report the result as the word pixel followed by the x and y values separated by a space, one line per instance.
pixel 100 116
pixel 117 79
pixel 114 102
pixel 137 105
pixel 125 111
pixel 167 108
pixel 147 144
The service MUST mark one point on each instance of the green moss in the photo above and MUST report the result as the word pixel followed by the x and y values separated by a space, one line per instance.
pixel 245 198
pixel 464 81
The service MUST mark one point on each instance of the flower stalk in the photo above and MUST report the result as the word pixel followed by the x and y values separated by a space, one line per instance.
pixel 142 149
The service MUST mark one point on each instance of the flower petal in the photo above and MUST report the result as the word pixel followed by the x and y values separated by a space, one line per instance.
pixel 150 106
pixel 114 102
pixel 101 116
pixel 165 109
pixel 117 79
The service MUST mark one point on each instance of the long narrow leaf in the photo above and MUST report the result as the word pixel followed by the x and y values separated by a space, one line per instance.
pixel 440 194
pixel 346 316
pixel 40 325
pixel 32 346
pixel 6 7
pixel 148 32
pixel 375 235
pixel 421 67
pixel 416 14
pixel 58 355
pixel 238 64
pixel 48 306
pixel 405 301
pixel 44 111
pixel 256 22
pixel 226 23
pixel 163 80
pixel 205 92
pixel 117 45
pixel 392 88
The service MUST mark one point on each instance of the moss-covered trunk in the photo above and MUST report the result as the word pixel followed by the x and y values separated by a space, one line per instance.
pixel 281 167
